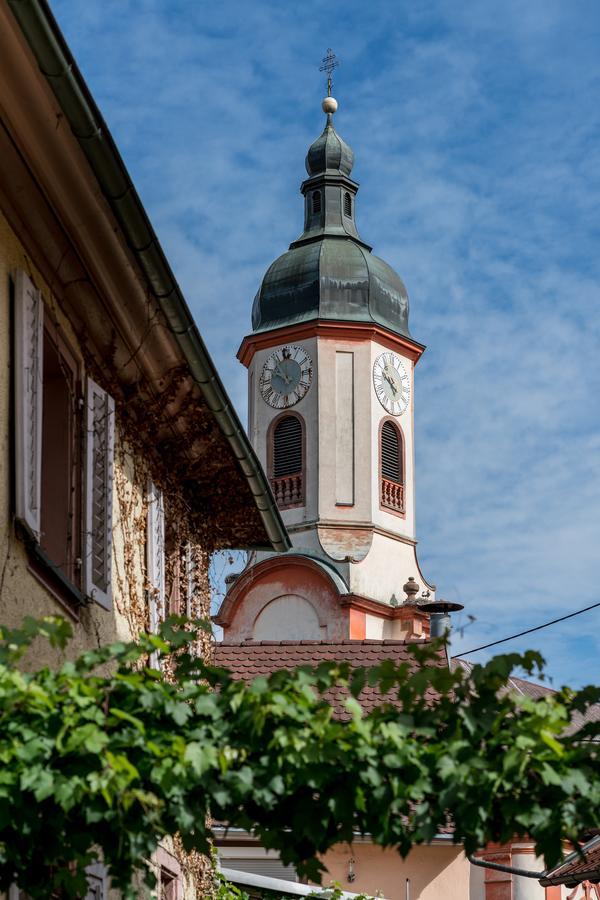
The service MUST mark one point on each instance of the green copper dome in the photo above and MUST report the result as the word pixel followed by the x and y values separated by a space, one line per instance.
pixel 329 272
pixel 329 153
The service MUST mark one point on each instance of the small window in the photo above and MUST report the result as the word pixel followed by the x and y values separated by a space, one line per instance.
pixel 168 885
pixel 287 461
pixel 347 204
pixel 316 202
pixel 392 467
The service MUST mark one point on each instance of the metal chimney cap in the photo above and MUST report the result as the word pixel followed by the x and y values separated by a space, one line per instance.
pixel 441 606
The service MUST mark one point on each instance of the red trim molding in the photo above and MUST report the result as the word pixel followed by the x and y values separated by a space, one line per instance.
pixel 338 331
pixel 358 624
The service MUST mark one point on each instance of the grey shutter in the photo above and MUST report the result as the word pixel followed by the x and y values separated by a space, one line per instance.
pixel 96 877
pixel 391 453
pixel 29 325
pixel 99 456
pixel 287 447
pixel 270 866
pixel 155 556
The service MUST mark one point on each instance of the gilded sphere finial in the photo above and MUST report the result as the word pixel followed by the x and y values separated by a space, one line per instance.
pixel 329 105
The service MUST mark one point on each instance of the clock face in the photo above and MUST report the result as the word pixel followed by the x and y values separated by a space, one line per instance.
pixel 286 377
pixel 391 383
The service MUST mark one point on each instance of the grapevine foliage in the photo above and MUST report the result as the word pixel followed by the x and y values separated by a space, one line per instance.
pixel 105 757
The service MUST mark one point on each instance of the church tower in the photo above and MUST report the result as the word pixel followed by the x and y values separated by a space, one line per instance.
pixel 331 369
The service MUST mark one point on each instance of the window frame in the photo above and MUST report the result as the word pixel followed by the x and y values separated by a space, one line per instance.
pixel 393 511
pixel 29 343
pixel 271 458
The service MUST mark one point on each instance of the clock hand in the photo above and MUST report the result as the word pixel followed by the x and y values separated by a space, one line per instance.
pixel 390 382
pixel 279 371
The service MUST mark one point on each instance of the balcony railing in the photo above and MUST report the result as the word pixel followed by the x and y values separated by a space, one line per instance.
pixel 392 495
pixel 288 491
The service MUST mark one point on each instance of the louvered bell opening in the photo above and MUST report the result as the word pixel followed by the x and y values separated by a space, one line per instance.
pixel 316 202
pixel 287 447
pixel 347 204
pixel 392 488
pixel 391 467
pixel 287 481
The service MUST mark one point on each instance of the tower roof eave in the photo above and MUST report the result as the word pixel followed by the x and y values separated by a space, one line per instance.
pixel 330 328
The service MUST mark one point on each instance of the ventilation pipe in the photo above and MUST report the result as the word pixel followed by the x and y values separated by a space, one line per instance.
pixel 439 618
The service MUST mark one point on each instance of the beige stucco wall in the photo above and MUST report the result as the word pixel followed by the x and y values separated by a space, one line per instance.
pixel 435 872
pixel 21 593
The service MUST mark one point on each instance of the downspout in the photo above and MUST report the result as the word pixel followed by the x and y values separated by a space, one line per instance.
pixel 66 82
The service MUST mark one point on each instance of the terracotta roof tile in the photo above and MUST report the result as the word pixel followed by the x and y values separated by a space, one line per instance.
pixel 576 868
pixel 250 659
pixel 536 691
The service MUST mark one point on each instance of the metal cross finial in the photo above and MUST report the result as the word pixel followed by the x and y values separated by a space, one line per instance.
pixel 328 64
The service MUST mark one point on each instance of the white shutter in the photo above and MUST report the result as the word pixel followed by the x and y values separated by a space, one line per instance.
pixel 155 556
pixel 29 325
pixel 99 454
pixel 190 578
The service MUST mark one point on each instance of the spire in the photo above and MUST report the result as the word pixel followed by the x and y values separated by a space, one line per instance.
pixel 329 191
pixel 329 272
pixel 328 64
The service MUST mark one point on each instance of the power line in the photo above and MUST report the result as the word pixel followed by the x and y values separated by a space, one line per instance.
pixel 528 631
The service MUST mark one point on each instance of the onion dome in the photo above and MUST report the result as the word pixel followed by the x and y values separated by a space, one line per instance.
pixel 329 153
pixel 329 272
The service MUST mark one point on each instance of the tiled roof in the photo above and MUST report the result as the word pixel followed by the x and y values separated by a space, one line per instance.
pixel 536 691
pixel 577 868
pixel 249 659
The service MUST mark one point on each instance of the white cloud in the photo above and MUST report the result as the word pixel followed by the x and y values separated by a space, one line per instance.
pixel 476 133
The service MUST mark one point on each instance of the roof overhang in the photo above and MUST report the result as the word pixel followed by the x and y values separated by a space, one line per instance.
pixel 69 197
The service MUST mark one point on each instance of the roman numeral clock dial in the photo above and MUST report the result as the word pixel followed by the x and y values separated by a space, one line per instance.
pixel 391 383
pixel 286 377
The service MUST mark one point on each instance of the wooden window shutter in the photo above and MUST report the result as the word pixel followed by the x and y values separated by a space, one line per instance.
pixel 29 325
pixel 99 456
pixel 155 557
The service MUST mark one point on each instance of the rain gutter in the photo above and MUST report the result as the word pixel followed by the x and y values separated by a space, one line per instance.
pixel 500 867
pixel 59 68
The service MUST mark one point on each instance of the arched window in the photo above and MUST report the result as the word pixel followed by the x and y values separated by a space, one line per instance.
pixel 347 204
pixel 286 460
pixel 316 202
pixel 392 467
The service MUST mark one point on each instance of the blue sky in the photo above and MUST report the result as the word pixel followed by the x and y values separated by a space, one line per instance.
pixel 476 129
